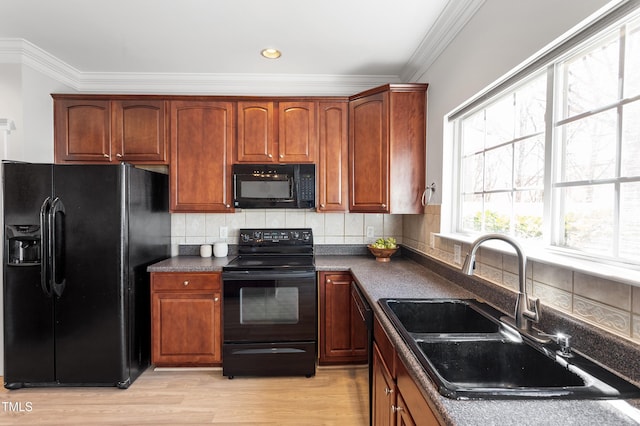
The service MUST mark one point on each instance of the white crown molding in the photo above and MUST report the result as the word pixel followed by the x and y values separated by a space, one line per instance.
pixel 232 84
pixel 21 51
pixel 450 22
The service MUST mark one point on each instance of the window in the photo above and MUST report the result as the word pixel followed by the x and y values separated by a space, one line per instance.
pixel 554 156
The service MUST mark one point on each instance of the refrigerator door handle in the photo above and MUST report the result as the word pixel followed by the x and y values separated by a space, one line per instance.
pixel 57 245
pixel 45 269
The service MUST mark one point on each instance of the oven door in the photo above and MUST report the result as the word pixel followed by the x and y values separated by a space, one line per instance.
pixel 267 306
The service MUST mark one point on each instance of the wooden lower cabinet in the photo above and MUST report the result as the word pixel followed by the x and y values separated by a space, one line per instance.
pixel 343 335
pixel 396 399
pixel 186 319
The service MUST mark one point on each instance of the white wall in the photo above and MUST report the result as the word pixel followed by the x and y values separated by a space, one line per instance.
pixel 500 36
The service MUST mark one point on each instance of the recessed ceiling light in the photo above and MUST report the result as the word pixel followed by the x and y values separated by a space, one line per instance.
pixel 271 53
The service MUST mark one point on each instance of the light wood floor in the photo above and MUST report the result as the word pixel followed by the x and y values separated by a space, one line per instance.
pixel 335 396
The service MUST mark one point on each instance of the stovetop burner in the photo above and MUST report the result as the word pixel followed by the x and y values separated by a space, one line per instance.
pixel 274 249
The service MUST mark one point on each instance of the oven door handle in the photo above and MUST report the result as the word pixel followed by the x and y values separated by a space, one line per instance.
pixel 261 275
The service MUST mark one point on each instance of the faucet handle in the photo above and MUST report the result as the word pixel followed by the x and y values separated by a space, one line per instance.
pixel 533 310
pixel 563 340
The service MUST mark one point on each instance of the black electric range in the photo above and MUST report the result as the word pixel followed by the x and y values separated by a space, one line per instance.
pixel 270 305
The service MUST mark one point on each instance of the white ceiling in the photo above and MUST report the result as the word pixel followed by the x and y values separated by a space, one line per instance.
pixel 160 40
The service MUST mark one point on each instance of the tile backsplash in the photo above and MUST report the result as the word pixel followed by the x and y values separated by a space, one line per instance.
pixel 328 228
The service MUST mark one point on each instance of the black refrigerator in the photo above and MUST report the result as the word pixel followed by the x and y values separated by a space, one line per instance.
pixel 78 240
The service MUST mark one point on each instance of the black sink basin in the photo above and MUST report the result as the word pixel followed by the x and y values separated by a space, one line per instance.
pixel 442 317
pixel 470 354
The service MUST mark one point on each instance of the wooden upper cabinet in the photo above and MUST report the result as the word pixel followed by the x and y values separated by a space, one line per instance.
pixel 82 130
pixel 277 132
pixel 333 165
pixel 96 129
pixel 387 149
pixel 202 141
pixel 139 131
pixel 297 135
pixel 256 133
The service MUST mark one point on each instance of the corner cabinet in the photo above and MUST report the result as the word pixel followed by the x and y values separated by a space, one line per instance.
pixel 277 132
pixel 99 129
pixel 202 142
pixel 186 319
pixel 343 336
pixel 396 398
pixel 387 149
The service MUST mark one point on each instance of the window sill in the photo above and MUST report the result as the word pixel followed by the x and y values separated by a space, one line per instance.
pixel 589 267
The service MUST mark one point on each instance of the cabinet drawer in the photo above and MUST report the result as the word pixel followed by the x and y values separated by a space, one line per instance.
pixel 387 351
pixel 167 281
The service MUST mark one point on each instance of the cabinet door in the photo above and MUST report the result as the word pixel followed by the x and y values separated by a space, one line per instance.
pixel 297 137
pixel 256 137
pixel 201 156
pixel 384 392
pixel 403 416
pixel 139 132
pixel 186 328
pixel 335 343
pixel 82 131
pixel 369 154
pixel 333 166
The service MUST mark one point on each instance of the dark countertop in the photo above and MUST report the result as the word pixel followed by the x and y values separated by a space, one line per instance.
pixel 405 278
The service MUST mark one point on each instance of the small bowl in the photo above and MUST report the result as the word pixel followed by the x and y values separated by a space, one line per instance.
pixel 382 254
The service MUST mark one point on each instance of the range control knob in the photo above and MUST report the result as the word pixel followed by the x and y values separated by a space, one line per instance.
pixel 245 237
pixel 295 235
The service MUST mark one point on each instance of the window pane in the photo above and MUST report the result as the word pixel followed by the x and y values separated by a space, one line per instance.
pixel 588 218
pixel 631 140
pixel 630 221
pixel 497 169
pixel 530 107
pixel 529 162
pixel 497 213
pixel 591 78
pixel 473 133
pixel 590 148
pixel 471 213
pixel 528 207
pixel 472 172
pixel 500 122
pixel 632 61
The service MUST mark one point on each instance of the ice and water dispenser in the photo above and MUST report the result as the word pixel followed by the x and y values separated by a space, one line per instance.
pixel 23 244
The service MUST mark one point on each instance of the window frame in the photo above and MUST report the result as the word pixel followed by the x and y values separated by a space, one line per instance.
pixel 547 62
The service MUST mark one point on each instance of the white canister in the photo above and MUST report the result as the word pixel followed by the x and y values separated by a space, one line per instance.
pixel 205 250
pixel 220 249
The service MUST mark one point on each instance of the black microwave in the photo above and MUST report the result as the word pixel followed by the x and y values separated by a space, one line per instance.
pixel 286 186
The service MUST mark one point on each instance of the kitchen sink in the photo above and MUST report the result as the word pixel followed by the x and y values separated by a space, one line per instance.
pixel 470 354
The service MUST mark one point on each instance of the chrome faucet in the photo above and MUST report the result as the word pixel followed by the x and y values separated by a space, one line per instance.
pixel 527 309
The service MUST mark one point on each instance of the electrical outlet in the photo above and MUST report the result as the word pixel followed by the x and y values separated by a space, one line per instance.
pixel 224 232
pixel 432 240
pixel 456 254
pixel 370 232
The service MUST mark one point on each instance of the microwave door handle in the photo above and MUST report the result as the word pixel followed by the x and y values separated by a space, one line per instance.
pixel 45 264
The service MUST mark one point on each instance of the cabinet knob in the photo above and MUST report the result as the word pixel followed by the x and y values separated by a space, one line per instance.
pixel 186 283
pixel 228 206
pixel 388 391
pixel 216 299
pixel 322 206
pixel 281 155
pixel 119 155
pixel 328 281
pixel 384 206
pixel 105 155
pixel 395 409
pixel 269 155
